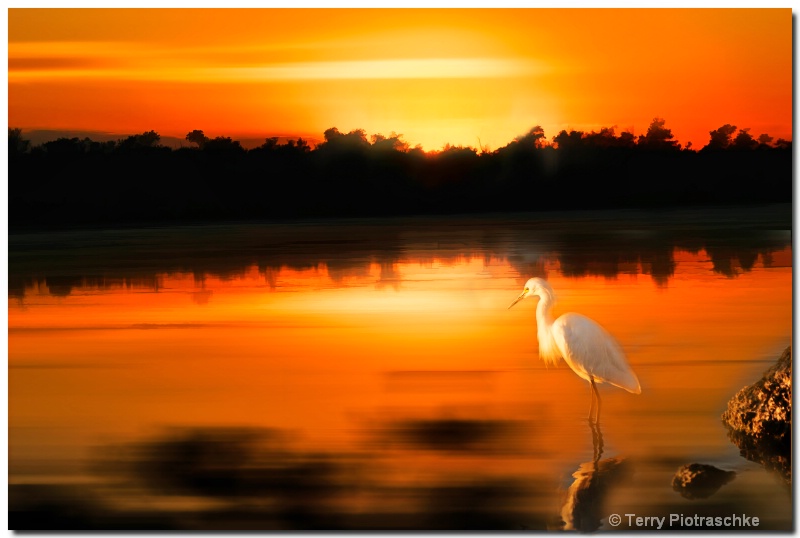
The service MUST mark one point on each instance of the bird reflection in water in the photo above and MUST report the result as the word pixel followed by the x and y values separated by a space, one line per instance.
pixel 583 509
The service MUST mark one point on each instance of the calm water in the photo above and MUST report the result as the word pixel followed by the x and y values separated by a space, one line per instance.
pixel 367 374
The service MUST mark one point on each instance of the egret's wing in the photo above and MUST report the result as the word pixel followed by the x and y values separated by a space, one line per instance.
pixel 591 351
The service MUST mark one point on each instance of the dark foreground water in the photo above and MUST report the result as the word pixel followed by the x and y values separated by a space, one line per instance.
pixel 368 375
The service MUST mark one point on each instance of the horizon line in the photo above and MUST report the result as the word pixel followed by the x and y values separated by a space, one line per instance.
pixel 314 139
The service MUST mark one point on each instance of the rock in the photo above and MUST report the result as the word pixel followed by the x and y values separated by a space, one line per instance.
pixel 759 418
pixel 699 481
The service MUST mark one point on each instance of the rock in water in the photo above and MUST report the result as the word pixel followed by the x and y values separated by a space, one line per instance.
pixel 759 418
pixel 699 481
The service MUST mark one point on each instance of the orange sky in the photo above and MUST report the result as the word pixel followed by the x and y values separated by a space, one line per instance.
pixel 436 76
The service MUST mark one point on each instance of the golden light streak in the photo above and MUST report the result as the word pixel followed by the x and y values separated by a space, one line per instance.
pixel 380 69
pixel 426 68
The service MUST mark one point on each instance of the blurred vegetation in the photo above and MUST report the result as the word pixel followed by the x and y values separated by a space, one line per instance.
pixel 72 181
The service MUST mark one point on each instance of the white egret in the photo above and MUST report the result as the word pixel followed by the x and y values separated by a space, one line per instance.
pixel 592 353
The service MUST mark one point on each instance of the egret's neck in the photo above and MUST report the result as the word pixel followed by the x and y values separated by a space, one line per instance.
pixel 544 312
pixel 548 351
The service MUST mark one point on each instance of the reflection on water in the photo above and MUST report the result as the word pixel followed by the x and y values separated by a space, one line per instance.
pixel 352 376
pixel 245 478
pixel 700 481
pixel 583 244
pixel 585 507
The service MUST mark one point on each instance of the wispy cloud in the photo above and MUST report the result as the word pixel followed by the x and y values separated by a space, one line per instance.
pixel 81 60
pixel 74 49
pixel 385 69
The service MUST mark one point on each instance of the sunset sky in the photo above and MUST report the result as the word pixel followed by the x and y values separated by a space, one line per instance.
pixel 459 76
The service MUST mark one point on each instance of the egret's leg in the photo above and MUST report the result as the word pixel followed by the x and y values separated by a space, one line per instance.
pixel 596 395
pixel 593 405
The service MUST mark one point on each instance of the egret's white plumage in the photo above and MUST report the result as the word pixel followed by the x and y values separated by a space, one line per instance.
pixel 592 353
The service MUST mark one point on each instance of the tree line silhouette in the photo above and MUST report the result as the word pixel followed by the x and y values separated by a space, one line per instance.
pixel 72 181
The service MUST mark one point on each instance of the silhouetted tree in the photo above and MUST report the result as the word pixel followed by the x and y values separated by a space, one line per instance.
pixel 223 144
pixel 149 139
pixel 627 139
pixel 270 143
pixel 291 147
pixel 355 139
pixel 658 137
pixel 764 141
pixel 783 144
pixel 534 138
pixel 744 140
pixel 198 137
pixel 17 144
pixel 393 142
pixel 605 138
pixel 64 147
pixel 721 138
pixel 564 140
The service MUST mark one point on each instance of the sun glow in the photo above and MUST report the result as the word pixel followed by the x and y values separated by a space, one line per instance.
pixel 438 76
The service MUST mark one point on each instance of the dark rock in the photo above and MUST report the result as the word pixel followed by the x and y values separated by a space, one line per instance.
pixel 700 481
pixel 759 418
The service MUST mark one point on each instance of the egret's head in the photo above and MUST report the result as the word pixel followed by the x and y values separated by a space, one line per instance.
pixel 534 286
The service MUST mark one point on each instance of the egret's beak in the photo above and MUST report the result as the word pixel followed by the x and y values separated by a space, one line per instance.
pixel 518 299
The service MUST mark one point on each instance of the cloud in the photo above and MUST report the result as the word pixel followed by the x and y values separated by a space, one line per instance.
pixel 85 60
pixel 385 69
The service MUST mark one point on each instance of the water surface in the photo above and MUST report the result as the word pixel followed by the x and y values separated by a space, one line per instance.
pixel 367 373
